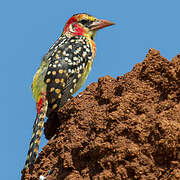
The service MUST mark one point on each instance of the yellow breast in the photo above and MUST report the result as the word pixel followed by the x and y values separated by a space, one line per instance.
pixel 83 77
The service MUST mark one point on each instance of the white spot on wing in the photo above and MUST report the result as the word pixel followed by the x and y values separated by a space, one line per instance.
pixel 42 177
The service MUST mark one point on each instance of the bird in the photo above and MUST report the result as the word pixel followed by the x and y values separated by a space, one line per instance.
pixel 63 71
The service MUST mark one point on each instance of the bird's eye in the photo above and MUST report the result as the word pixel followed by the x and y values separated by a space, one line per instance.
pixel 85 22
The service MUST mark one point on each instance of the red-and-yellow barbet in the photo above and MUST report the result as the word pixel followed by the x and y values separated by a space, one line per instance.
pixel 63 71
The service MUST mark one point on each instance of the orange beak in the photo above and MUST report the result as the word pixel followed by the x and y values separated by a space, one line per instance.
pixel 99 24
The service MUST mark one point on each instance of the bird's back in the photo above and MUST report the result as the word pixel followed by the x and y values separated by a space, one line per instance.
pixel 70 63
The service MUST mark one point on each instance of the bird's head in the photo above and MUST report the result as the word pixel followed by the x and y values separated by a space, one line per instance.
pixel 85 24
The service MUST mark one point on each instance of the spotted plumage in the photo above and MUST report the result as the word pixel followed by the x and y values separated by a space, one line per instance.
pixel 63 71
pixel 64 77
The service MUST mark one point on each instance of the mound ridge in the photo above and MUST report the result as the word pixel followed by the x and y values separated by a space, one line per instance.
pixel 123 128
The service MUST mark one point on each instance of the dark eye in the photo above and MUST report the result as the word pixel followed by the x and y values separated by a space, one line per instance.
pixel 85 22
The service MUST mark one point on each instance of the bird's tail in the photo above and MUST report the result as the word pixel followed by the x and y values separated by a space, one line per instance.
pixel 35 139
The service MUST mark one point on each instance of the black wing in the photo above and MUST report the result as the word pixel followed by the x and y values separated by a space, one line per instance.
pixel 67 63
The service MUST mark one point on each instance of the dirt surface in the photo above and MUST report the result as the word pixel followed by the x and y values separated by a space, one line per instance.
pixel 124 128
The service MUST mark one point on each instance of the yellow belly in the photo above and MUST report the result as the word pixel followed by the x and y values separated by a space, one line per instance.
pixel 83 76
pixel 38 85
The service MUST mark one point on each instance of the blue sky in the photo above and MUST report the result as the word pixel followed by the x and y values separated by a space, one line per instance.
pixel 29 28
